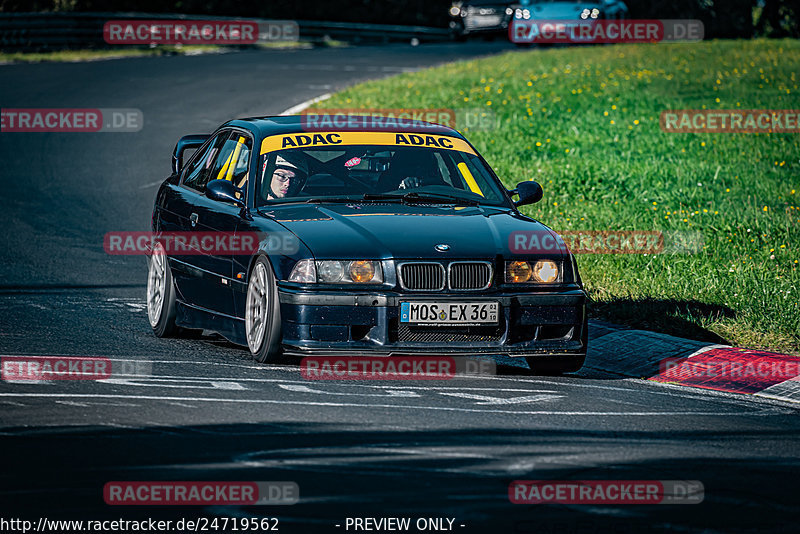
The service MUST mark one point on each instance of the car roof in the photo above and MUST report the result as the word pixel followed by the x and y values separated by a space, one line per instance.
pixel 289 124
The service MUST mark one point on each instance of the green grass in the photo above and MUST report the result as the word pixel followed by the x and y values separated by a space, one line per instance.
pixel 584 122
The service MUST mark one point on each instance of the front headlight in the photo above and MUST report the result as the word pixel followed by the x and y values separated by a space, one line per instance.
pixel 350 272
pixel 330 271
pixel 518 272
pixel 541 271
pixel 587 14
pixel 304 272
pixel 545 271
pixel 363 272
pixel 454 11
pixel 337 272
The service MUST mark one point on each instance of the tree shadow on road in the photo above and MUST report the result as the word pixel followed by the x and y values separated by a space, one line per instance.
pixel 678 318
pixel 460 472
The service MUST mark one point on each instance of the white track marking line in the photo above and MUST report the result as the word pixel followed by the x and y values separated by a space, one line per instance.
pixel 182 405
pixel 233 386
pixel 294 110
pixel 486 400
pixel 669 389
pixel 391 406
pixel 151 184
pixel 708 348
pixel 683 392
pixel 305 389
pixel 321 383
pixel 156 382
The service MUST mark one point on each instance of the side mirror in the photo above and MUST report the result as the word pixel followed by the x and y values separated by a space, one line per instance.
pixel 529 193
pixel 187 141
pixel 225 191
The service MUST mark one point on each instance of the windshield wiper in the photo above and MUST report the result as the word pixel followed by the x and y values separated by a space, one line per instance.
pixel 424 197
pixel 412 197
pixel 323 200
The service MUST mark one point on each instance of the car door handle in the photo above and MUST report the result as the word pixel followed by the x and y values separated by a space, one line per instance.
pixel 193 217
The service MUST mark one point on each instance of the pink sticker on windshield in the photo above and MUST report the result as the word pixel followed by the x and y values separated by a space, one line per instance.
pixel 352 162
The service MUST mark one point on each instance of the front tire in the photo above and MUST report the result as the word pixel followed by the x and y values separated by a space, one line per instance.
pixel 262 317
pixel 160 294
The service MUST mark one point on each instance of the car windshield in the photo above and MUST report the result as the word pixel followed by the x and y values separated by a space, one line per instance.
pixel 376 173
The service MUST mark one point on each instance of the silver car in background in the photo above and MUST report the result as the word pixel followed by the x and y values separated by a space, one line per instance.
pixel 488 18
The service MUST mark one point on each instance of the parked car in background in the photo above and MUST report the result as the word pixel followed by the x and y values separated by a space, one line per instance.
pixel 488 18
pixel 569 9
pixel 546 22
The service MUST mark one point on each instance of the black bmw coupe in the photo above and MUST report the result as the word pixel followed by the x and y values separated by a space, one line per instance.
pixel 367 240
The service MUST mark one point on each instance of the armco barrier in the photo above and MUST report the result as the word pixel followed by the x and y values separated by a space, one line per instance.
pixel 28 32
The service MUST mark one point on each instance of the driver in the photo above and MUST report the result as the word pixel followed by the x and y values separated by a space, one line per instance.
pixel 287 178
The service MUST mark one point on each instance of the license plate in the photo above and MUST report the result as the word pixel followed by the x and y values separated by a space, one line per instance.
pixel 448 313
pixel 487 20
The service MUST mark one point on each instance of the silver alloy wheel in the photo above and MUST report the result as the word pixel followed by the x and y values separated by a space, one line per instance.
pixel 156 285
pixel 255 318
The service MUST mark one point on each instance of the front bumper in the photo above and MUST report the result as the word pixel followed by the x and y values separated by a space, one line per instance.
pixel 549 323
pixel 480 24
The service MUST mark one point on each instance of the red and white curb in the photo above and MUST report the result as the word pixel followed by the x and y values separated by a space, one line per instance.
pixel 684 362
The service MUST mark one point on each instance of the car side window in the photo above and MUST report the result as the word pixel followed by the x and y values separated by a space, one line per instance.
pixel 232 160
pixel 199 171
pixel 237 164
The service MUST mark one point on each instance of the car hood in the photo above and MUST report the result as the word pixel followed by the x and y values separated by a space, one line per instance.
pixel 383 231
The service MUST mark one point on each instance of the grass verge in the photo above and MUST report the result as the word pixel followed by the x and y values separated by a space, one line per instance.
pixel 584 122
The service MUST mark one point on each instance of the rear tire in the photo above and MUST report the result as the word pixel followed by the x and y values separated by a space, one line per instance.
pixel 263 314
pixel 160 294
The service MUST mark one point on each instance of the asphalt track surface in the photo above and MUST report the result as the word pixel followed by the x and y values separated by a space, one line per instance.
pixel 202 410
